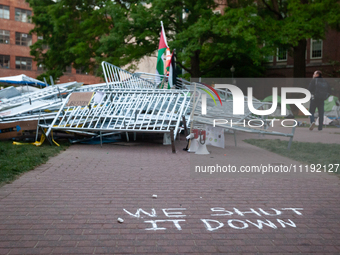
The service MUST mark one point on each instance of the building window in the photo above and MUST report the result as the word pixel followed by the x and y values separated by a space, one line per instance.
pixel 4 12
pixel 4 36
pixel 23 39
pixel 23 15
pixel 41 67
pixel 78 70
pixel 269 58
pixel 23 63
pixel 282 54
pixel 316 49
pixel 68 69
pixel 217 11
pixel 81 70
pixel 44 46
pixel 4 61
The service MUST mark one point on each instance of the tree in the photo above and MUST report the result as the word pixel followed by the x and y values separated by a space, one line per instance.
pixel 286 24
pixel 71 29
pixel 85 32
pixel 201 47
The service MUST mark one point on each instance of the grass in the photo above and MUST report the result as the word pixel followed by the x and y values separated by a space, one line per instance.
pixel 310 153
pixel 17 159
pixel 316 127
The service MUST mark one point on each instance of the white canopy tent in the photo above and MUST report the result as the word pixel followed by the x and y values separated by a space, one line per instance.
pixel 21 79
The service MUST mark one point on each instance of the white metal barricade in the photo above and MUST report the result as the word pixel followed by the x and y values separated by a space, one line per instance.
pixel 155 111
pixel 116 77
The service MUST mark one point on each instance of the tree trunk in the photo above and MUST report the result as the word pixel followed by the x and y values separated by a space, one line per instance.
pixel 299 69
pixel 195 65
pixel 300 59
pixel 300 55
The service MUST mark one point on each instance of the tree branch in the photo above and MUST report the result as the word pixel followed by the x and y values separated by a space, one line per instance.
pixel 211 67
pixel 182 66
pixel 276 12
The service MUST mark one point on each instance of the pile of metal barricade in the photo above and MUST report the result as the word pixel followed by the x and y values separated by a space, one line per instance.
pixel 125 103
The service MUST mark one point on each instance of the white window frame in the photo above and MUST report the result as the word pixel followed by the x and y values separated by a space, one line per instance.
pixel 311 49
pixel 6 36
pixel 271 60
pixel 24 61
pixel 277 56
pixel 217 11
pixel 3 58
pixel 3 7
pixel 26 42
pixel 24 15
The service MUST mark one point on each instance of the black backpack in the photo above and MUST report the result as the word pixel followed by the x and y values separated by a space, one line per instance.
pixel 321 89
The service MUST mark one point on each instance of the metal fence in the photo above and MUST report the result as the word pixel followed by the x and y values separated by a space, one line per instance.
pixel 155 111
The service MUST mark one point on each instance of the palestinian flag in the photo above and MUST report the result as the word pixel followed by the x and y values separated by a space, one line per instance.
pixel 171 67
pixel 163 45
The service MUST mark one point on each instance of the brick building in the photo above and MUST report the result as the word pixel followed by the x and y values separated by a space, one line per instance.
pixel 321 55
pixel 15 55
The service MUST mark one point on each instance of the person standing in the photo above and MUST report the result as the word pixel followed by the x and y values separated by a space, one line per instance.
pixel 320 90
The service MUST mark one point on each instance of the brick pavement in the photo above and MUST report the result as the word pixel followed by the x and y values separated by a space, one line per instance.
pixel 70 205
